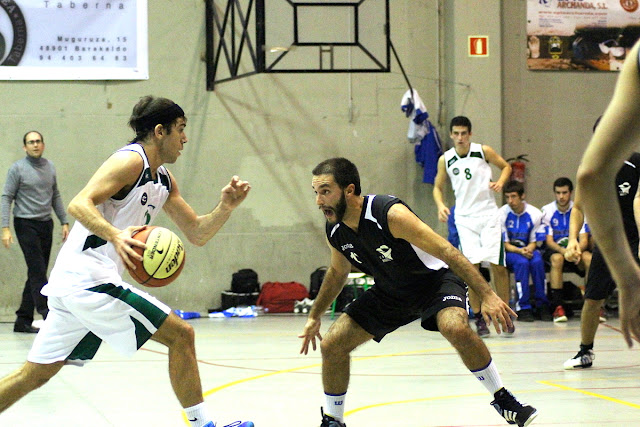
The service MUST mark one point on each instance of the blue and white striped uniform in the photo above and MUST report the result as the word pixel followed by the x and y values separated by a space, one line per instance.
pixel 520 230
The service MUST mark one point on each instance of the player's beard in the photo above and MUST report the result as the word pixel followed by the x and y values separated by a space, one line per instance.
pixel 339 210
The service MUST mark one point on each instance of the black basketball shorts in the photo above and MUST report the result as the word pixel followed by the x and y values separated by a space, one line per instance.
pixel 380 311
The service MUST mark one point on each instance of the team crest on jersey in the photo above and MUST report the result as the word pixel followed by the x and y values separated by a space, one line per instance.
pixel 456 171
pixel 354 257
pixel 385 253
pixel 624 189
pixel 147 214
pixel 144 199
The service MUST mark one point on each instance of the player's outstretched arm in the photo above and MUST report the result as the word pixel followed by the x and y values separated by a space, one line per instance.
pixel 404 224
pixel 199 229
pixel 333 282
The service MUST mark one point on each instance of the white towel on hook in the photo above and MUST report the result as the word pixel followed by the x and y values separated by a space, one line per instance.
pixel 417 113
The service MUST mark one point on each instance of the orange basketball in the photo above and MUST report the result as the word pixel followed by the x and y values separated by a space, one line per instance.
pixel 163 259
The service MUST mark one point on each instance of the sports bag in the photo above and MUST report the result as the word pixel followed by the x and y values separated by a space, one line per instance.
pixel 245 281
pixel 279 297
pixel 315 281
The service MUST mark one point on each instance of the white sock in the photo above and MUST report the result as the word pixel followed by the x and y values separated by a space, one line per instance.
pixel 197 415
pixel 335 405
pixel 489 377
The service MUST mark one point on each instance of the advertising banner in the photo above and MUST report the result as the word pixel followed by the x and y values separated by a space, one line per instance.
pixel 581 34
pixel 73 40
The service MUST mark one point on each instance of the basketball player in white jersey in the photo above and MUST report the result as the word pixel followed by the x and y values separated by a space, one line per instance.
pixel 477 216
pixel 614 140
pixel 88 300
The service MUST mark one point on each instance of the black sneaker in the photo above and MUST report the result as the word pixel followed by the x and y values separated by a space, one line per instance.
pixel 512 410
pixel 525 315
pixel 545 314
pixel 328 421
pixel 28 329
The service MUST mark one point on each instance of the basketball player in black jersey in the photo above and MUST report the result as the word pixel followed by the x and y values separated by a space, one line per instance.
pixel 612 143
pixel 599 282
pixel 418 275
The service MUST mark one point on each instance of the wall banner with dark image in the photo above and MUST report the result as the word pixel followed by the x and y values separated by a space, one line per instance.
pixel 581 34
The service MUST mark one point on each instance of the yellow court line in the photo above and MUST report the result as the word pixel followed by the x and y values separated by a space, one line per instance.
pixel 588 393
pixel 401 402
pixel 315 365
pixel 357 359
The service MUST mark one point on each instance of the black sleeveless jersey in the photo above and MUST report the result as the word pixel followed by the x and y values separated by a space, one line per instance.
pixel 374 251
pixel 627 186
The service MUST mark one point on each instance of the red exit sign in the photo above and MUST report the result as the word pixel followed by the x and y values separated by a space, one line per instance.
pixel 478 45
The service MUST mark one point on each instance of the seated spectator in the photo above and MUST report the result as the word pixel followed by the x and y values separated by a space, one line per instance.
pixel 524 230
pixel 557 219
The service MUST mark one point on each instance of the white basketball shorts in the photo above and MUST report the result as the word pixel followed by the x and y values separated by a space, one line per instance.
pixel 120 314
pixel 481 238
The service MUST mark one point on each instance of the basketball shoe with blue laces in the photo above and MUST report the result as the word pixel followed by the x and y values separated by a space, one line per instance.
pixel 512 410
pixel 328 421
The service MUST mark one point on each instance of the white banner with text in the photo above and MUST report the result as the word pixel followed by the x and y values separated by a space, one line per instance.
pixel 73 40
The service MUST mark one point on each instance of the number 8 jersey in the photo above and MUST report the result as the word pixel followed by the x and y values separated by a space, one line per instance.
pixel 470 176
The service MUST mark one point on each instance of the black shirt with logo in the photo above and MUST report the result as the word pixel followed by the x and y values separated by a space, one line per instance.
pixel 394 263
pixel 627 186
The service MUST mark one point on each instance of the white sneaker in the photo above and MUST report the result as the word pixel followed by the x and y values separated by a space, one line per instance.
pixel 581 360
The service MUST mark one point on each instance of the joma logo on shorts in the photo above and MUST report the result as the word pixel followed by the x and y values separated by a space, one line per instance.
pixel 347 246
pixel 455 297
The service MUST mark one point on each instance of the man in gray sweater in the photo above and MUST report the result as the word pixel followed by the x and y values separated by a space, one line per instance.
pixel 31 184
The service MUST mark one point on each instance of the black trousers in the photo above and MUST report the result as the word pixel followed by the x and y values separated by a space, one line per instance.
pixel 35 238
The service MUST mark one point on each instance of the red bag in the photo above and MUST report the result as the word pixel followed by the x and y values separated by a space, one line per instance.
pixel 279 297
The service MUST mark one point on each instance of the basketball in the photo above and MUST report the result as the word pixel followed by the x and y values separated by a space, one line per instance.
pixel 163 259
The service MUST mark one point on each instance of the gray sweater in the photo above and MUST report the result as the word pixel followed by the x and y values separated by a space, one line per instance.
pixel 31 183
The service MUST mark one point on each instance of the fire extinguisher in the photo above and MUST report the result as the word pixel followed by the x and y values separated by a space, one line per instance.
pixel 518 167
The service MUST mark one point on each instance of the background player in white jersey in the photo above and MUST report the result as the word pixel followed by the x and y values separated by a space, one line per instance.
pixel 476 215
pixel 88 300
pixel 614 140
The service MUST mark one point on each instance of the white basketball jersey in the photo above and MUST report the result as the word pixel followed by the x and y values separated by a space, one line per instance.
pixel 86 260
pixel 470 176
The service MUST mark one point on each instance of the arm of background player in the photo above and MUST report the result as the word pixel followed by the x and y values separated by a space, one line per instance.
pixel 497 160
pixel 438 191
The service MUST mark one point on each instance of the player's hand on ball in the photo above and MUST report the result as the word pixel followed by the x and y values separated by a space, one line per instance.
pixel 235 192
pixel 123 243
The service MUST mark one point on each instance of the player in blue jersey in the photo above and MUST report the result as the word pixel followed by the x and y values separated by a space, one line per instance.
pixel 557 217
pixel 418 275
pixel 524 232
